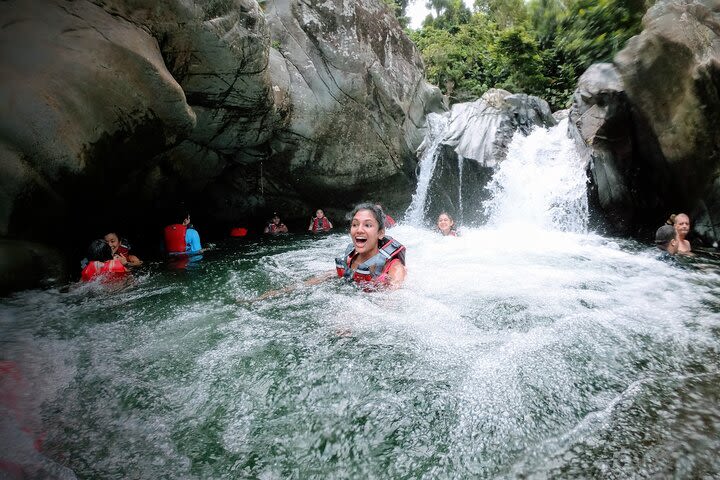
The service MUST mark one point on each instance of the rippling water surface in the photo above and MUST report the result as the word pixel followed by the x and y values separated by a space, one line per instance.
pixel 525 349
pixel 506 354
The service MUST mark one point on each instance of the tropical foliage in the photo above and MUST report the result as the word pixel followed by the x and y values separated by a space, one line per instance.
pixel 539 48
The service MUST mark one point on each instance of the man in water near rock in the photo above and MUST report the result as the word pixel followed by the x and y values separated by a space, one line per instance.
pixel 682 228
pixel 182 237
pixel 666 239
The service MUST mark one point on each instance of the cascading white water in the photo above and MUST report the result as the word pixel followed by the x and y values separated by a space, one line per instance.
pixel 542 182
pixel 436 126
pixel 461 162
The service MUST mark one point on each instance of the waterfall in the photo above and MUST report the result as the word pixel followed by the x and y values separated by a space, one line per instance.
pixel 436 126
pixel 542 183
pixel 461 161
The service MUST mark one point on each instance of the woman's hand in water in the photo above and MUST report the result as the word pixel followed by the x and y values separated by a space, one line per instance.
pixel 316 280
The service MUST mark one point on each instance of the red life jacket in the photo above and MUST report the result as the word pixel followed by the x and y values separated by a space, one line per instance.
pixel 389 221
pixel 374 270
pixel 272 228
pixel 320 224
pixel 123 250
pixel 95 269
pixel 175 238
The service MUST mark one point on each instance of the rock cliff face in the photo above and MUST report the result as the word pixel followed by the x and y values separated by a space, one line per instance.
pixel 117 110
pixel 652 119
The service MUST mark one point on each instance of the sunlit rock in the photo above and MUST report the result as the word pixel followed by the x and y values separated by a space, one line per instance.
pixel 481 130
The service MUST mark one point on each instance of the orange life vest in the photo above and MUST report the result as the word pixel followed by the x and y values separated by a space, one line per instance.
pixel 320 224
pixel 95 269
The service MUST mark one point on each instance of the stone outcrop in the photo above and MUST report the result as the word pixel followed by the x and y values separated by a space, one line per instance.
pixel 653 117
pixel 482 130
pixel 119 110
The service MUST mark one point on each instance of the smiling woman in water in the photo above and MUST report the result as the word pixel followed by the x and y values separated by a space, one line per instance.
pixel 372 261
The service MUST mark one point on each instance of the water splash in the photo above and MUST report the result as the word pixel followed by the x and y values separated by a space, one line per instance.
pixel 541 183
pixel 461 162
pixel 436 127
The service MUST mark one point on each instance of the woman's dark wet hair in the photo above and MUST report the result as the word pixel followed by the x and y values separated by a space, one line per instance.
pixel 448 215
pixel 376 211
pixel 99 250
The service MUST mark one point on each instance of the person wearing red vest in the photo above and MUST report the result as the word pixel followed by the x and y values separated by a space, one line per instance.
pixel 373 261
pixel 373 258
pixel 275 226
pixel 320 223
pixel 101 262
pixel 121 252
pixel 182 238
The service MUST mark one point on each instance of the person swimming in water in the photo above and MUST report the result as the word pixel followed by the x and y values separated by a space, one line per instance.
pixel 666 239
pixel 372 257
pixel 101 262
pixel 681 223
pixel 372 261
pixel 320 223
pixel 446 225
pixel 275 226
pixel 121 252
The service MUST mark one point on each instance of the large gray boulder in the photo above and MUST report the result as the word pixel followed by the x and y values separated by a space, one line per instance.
pixel 116 106
pixel 601 123
pixel 483 129
pixel 664 108
pixel 353 85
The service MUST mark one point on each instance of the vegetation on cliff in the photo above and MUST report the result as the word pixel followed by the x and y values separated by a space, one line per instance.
pixel 540 47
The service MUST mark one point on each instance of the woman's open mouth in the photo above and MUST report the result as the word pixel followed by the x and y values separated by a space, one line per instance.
pixel 360 242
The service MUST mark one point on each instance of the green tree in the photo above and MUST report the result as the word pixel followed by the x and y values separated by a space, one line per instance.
pixel 399 8
pixel 449 14
pixel 504 13
pixel 540 49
